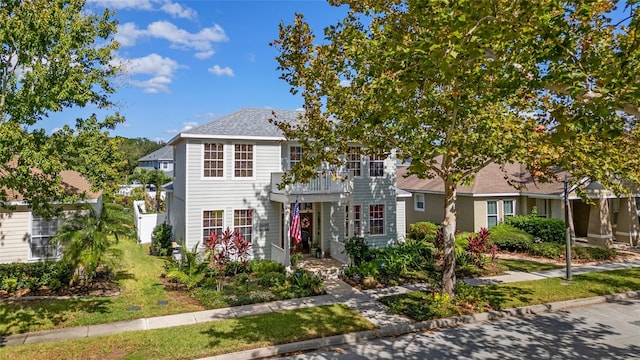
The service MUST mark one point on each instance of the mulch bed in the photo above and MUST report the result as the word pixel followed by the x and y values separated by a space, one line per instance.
pixel 99 288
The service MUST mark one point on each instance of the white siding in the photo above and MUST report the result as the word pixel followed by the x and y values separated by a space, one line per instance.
pixel 14 236
pixel 400 220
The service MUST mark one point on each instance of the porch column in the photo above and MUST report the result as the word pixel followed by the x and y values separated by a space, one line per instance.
pixel 285 232
pixel 599 231
pixel 627 229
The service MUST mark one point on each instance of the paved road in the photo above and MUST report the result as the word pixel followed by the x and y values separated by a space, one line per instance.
pixel 606 331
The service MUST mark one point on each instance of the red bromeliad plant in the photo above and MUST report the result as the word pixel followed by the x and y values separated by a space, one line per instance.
pixel 478 246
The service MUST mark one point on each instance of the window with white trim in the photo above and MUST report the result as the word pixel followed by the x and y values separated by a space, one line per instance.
pixel 213 160
pixel 508 208
pixel 243 223
pixel 295 155
pixel 492 213
pixel 354 163
pixel 211 223
pixel 357 222
pixel 376 166
pixel 376 219
pixel 165 165
pixel 42 231
pixel 243 160
pixel 541 208
pixel 418 202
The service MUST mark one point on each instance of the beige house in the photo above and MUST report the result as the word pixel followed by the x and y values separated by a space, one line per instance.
pixel 25 236
pixel 497 194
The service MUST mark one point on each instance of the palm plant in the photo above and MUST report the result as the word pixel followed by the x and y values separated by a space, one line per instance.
pixel 191 268
pixel 89 236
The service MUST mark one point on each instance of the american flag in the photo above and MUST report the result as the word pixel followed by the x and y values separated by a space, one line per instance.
pixel 295 231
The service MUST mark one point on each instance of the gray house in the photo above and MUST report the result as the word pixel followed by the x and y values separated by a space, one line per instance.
pixel 161 159
pixel 227 172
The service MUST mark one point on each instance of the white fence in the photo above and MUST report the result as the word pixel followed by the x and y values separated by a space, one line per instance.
pixel 277 254
pixel 338 253
pixel 145 223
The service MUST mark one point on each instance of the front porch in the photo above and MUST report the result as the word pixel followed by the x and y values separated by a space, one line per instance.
pixel 326 268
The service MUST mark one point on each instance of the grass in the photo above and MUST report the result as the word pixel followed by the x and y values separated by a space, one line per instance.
pixel 140 288
pixel 193 341
pixel 526 265
pixel 423 306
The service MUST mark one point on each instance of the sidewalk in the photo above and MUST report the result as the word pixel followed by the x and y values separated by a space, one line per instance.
pixel 365 302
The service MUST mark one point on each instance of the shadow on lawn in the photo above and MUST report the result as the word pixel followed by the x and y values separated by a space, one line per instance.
pixel 21 316
pixel 287 326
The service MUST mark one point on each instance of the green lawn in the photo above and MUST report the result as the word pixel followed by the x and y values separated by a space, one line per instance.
pixel 140 288
pixel 193 341
pixel 526 265
pixel 423 306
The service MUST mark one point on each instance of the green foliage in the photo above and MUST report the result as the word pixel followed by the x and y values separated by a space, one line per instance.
pixel 509 238
pixel 192 267
pixel 307 283
pixel 89 239
pixel 134 149
pixel 545 249
pixel 161 239
pixel 357 249
pixel 548 230
pixel 34 275
pixel 56 55
pixel 261 267
pixel 295 259
pixel 233 268
pixel 589 253
pixel 423 230
pixel 272 279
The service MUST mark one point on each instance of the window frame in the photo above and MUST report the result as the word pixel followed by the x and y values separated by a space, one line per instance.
pixel 56 253
pixel 376 222
pixel 218 161
pixel 357 220
pixel 354 161
pixel 416 202
pixel 546 208
pixel 210 219
pixel 492 215
pixel 513 208
pixel 237 160
pixel 297 154
pixel 246 229
pixel 376 166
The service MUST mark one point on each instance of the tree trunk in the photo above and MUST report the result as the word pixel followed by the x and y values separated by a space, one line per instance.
pixel 449 239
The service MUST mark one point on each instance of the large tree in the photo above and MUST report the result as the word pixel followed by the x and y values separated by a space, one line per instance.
pixel 54 54
pixel 452 86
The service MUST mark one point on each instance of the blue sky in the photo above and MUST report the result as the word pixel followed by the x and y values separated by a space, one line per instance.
pixel 188 62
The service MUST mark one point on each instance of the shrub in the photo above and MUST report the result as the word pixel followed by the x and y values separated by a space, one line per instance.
pixel 546 249
pixel 161 239
pixel 356 248
pixel 477 246
pixel 307 283
pixel 261 267
pixel 425 231
pixel 272 279
pixel 232 268
pixel 32 276
pixel 509 238
pixel 548 230
pixel 589 253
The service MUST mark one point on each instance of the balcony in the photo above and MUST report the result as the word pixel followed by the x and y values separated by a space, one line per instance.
pixel 326 183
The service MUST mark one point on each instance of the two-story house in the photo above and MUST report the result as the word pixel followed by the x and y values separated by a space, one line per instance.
pixel 227 172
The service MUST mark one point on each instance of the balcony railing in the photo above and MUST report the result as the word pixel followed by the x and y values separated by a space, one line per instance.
pixel 327 182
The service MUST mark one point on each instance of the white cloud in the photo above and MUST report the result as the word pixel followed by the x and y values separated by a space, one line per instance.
pixel 161 69
pixel 186 126
pixel 252 58
pixel 201 41
pixel 208 115
pixel 218 71
pixel 124 4
pixel 345 83
pixel 177 10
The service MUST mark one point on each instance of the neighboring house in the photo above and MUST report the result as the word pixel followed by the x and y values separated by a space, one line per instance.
pixel 496 195
pixel 25 236
pixel 161 159
pixel 227 174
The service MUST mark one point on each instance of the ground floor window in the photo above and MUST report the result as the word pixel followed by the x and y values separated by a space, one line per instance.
pixel 243 223
pixel 376 219
pixel 492 213
pixel 211 223
pixel 357 222
pixel 42 231
pixel 508 208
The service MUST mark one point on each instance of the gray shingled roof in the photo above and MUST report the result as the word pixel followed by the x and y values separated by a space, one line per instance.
pixel 164 153
pixel 247 122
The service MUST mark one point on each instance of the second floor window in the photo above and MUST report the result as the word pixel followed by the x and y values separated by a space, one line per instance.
pixel 354 165
pixel 376 166
pixel 243 160
pixel 295 155
pixel 213 160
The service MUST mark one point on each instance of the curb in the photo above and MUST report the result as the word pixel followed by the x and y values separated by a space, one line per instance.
pixel 401 329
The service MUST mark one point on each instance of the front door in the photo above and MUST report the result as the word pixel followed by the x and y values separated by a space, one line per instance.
pixel 306 226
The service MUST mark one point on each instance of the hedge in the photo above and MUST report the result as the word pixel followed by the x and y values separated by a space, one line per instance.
pixel 34 275
pixel 423 230
pixel 509 238
pixel 547 230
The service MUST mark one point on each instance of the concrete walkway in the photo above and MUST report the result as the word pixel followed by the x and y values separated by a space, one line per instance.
pixel 365 302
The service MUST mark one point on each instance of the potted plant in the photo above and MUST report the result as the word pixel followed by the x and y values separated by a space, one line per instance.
pixel 315 249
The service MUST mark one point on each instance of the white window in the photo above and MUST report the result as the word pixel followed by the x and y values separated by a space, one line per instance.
pixel 418 202
pixel 295 155
pixel 213 160
pixel 243 223
pixel 492 213
pixel 541 208
pixel 376 166
pixel 42 231
pixel 508 208
pixel 357 222
pixel 376 219
pixel 211 223
pixel 243 160
pixel 165 165
pixel 354 163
